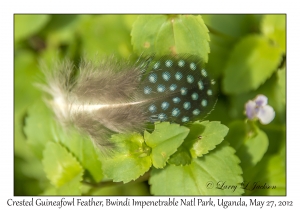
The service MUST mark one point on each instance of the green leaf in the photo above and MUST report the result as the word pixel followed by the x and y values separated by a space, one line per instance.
pixel 129 160
pixel 129 20
pixel 251 63
pixel 164 141
pixel 220 112
pixel 220 48
pixel 206 135
pixel 62 169
pixel 170 34
pixel 181 157
pixel 26 71
pixel 249 141
pixel 271 171
pixel 62 26
pixel 27 25
pixel 29 176
pixel 25 94
pixel 83 149
pixel 104 35
pixel 225 31
pixel 61 31
pixel 39 125
pixel 277 137
pixel 274 27
pixel 204 176
pixel 253 149
pixel 281 80
pixel 71 188
pixel 128 189
pixel 33 168
pixel 234 26
pixel 203 137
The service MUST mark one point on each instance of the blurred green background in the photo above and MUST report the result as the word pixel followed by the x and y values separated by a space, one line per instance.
pixel 251 45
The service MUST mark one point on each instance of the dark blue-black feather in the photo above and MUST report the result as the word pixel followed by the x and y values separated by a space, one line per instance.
pixel 178 88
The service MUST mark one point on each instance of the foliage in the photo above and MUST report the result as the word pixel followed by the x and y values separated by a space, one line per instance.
pixel 244 53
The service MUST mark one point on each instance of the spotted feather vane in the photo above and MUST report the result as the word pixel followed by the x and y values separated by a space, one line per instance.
pixel 116 97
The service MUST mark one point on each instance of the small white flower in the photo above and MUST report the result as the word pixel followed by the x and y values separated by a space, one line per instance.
pixel 259 109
